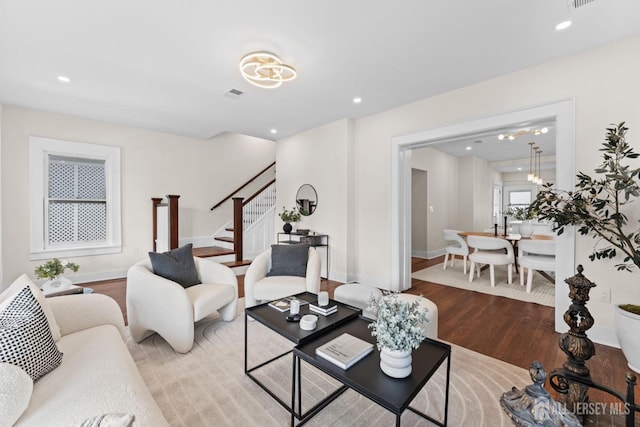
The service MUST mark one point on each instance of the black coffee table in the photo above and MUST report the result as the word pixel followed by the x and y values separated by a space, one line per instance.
pixel 367 378
pixel 275 321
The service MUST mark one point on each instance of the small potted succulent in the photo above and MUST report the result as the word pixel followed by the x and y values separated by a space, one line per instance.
pixel 397 331
pixel 599 207
pixel 289 216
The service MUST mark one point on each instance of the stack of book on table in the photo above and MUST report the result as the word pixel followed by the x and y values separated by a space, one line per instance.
pixel 324 310
pixel 282 304
pixel 345 350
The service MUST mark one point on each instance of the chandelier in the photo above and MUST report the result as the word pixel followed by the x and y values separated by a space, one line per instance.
pixel 511 136
pixel 266 70
pixel 534 164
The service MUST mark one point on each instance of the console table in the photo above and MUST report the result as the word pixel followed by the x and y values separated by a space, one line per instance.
pixel 316 240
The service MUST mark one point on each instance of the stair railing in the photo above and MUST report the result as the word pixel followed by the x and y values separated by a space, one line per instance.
pixel 257 205
pixel 247 212
pixel 243 186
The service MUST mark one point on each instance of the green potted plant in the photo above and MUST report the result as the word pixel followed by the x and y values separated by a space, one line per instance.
pixel 53 269
pixel 525 228
pixel 289 216
pixel 599 208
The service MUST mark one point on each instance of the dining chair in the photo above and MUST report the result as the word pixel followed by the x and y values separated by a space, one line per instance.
pixel 493 251
pixel 459 247
pixel 536 255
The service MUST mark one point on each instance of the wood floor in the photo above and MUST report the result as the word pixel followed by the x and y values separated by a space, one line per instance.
pixel 509 330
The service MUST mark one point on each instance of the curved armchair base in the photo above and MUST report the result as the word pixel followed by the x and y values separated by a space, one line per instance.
pixel 158 305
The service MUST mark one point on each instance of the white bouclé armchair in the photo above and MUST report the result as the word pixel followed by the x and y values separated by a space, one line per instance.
pixel 159 305
pixel 260 287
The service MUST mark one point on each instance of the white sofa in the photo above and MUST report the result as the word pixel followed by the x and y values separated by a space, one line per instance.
pixel 97 375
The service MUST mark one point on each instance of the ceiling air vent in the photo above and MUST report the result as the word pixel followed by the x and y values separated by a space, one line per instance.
pixel 579 3
pixel 233 93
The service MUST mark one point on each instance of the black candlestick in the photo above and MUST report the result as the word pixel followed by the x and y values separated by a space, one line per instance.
pixel 495 230
pixel 505 226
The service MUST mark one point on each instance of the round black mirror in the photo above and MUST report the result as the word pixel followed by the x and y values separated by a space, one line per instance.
pixel 306 199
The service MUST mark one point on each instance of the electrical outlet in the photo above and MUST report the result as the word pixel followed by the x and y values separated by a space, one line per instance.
pixel 604 294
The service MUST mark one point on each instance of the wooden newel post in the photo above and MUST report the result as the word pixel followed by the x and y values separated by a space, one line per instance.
pixel 173 220
pixel 575 343
pixel 155 201
pixel 237 227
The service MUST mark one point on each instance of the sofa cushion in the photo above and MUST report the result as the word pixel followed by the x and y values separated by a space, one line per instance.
pixel 15 392
pixel 19 284
pixel 289 260
pixel 25 338
pixel 97 376
pixel 176 265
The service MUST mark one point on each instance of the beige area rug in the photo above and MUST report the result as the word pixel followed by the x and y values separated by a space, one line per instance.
pixel 208 387
pixel 542 291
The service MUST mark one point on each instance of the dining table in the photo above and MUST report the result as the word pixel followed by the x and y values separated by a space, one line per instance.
pixel 513 239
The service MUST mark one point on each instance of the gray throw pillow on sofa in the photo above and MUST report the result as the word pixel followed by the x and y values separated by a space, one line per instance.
pixel 289 260
pixel 176 265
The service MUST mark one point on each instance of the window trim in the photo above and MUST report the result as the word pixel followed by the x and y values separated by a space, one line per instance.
pixel 39 149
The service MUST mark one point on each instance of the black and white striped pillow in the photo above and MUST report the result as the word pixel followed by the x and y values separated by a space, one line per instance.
pixel 25 337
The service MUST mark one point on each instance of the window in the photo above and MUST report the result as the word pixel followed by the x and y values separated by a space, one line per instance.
pixel 521 199
pixel 75 198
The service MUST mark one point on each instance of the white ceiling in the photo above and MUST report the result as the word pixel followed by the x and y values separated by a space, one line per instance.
pixel 165 65
pixel 506 155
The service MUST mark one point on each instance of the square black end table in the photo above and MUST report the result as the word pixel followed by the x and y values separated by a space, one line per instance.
pixel 366 377
pixel 275 321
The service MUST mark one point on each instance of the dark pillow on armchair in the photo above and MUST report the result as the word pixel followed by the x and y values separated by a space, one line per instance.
pixel 289 260
pixel 176 265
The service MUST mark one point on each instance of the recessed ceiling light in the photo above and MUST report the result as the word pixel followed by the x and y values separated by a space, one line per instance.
pixel 274 131
pixel 64 79
pixel 519 169
pixel 468 148
pixel 563 25
pixel 357 100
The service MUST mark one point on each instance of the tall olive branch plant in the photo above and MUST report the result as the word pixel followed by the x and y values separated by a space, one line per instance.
pixel 596 204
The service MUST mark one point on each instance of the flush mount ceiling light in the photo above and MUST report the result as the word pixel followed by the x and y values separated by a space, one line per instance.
pixel 265 70
pixel 528 131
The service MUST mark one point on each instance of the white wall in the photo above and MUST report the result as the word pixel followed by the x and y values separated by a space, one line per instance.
pixel 442 189
pixel 153 164
pixel 1 260
pixel 601 93
pixel 320 157
pixel 419 213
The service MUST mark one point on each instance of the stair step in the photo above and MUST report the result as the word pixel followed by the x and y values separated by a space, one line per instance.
pixel 232 264
pixel 209 251
pixel 229 229
pixel 225 239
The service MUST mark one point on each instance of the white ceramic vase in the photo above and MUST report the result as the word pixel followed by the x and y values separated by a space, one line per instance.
pixel 526 229
pixel 60 283
pixel 395 363
pixel 628 329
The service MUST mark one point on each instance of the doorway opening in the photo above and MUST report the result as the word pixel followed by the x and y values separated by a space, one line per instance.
pixel 562 113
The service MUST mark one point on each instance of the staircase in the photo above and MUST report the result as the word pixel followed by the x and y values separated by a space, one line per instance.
pixel 249 233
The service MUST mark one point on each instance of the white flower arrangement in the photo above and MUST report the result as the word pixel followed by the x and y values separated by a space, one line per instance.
pixel 397 326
